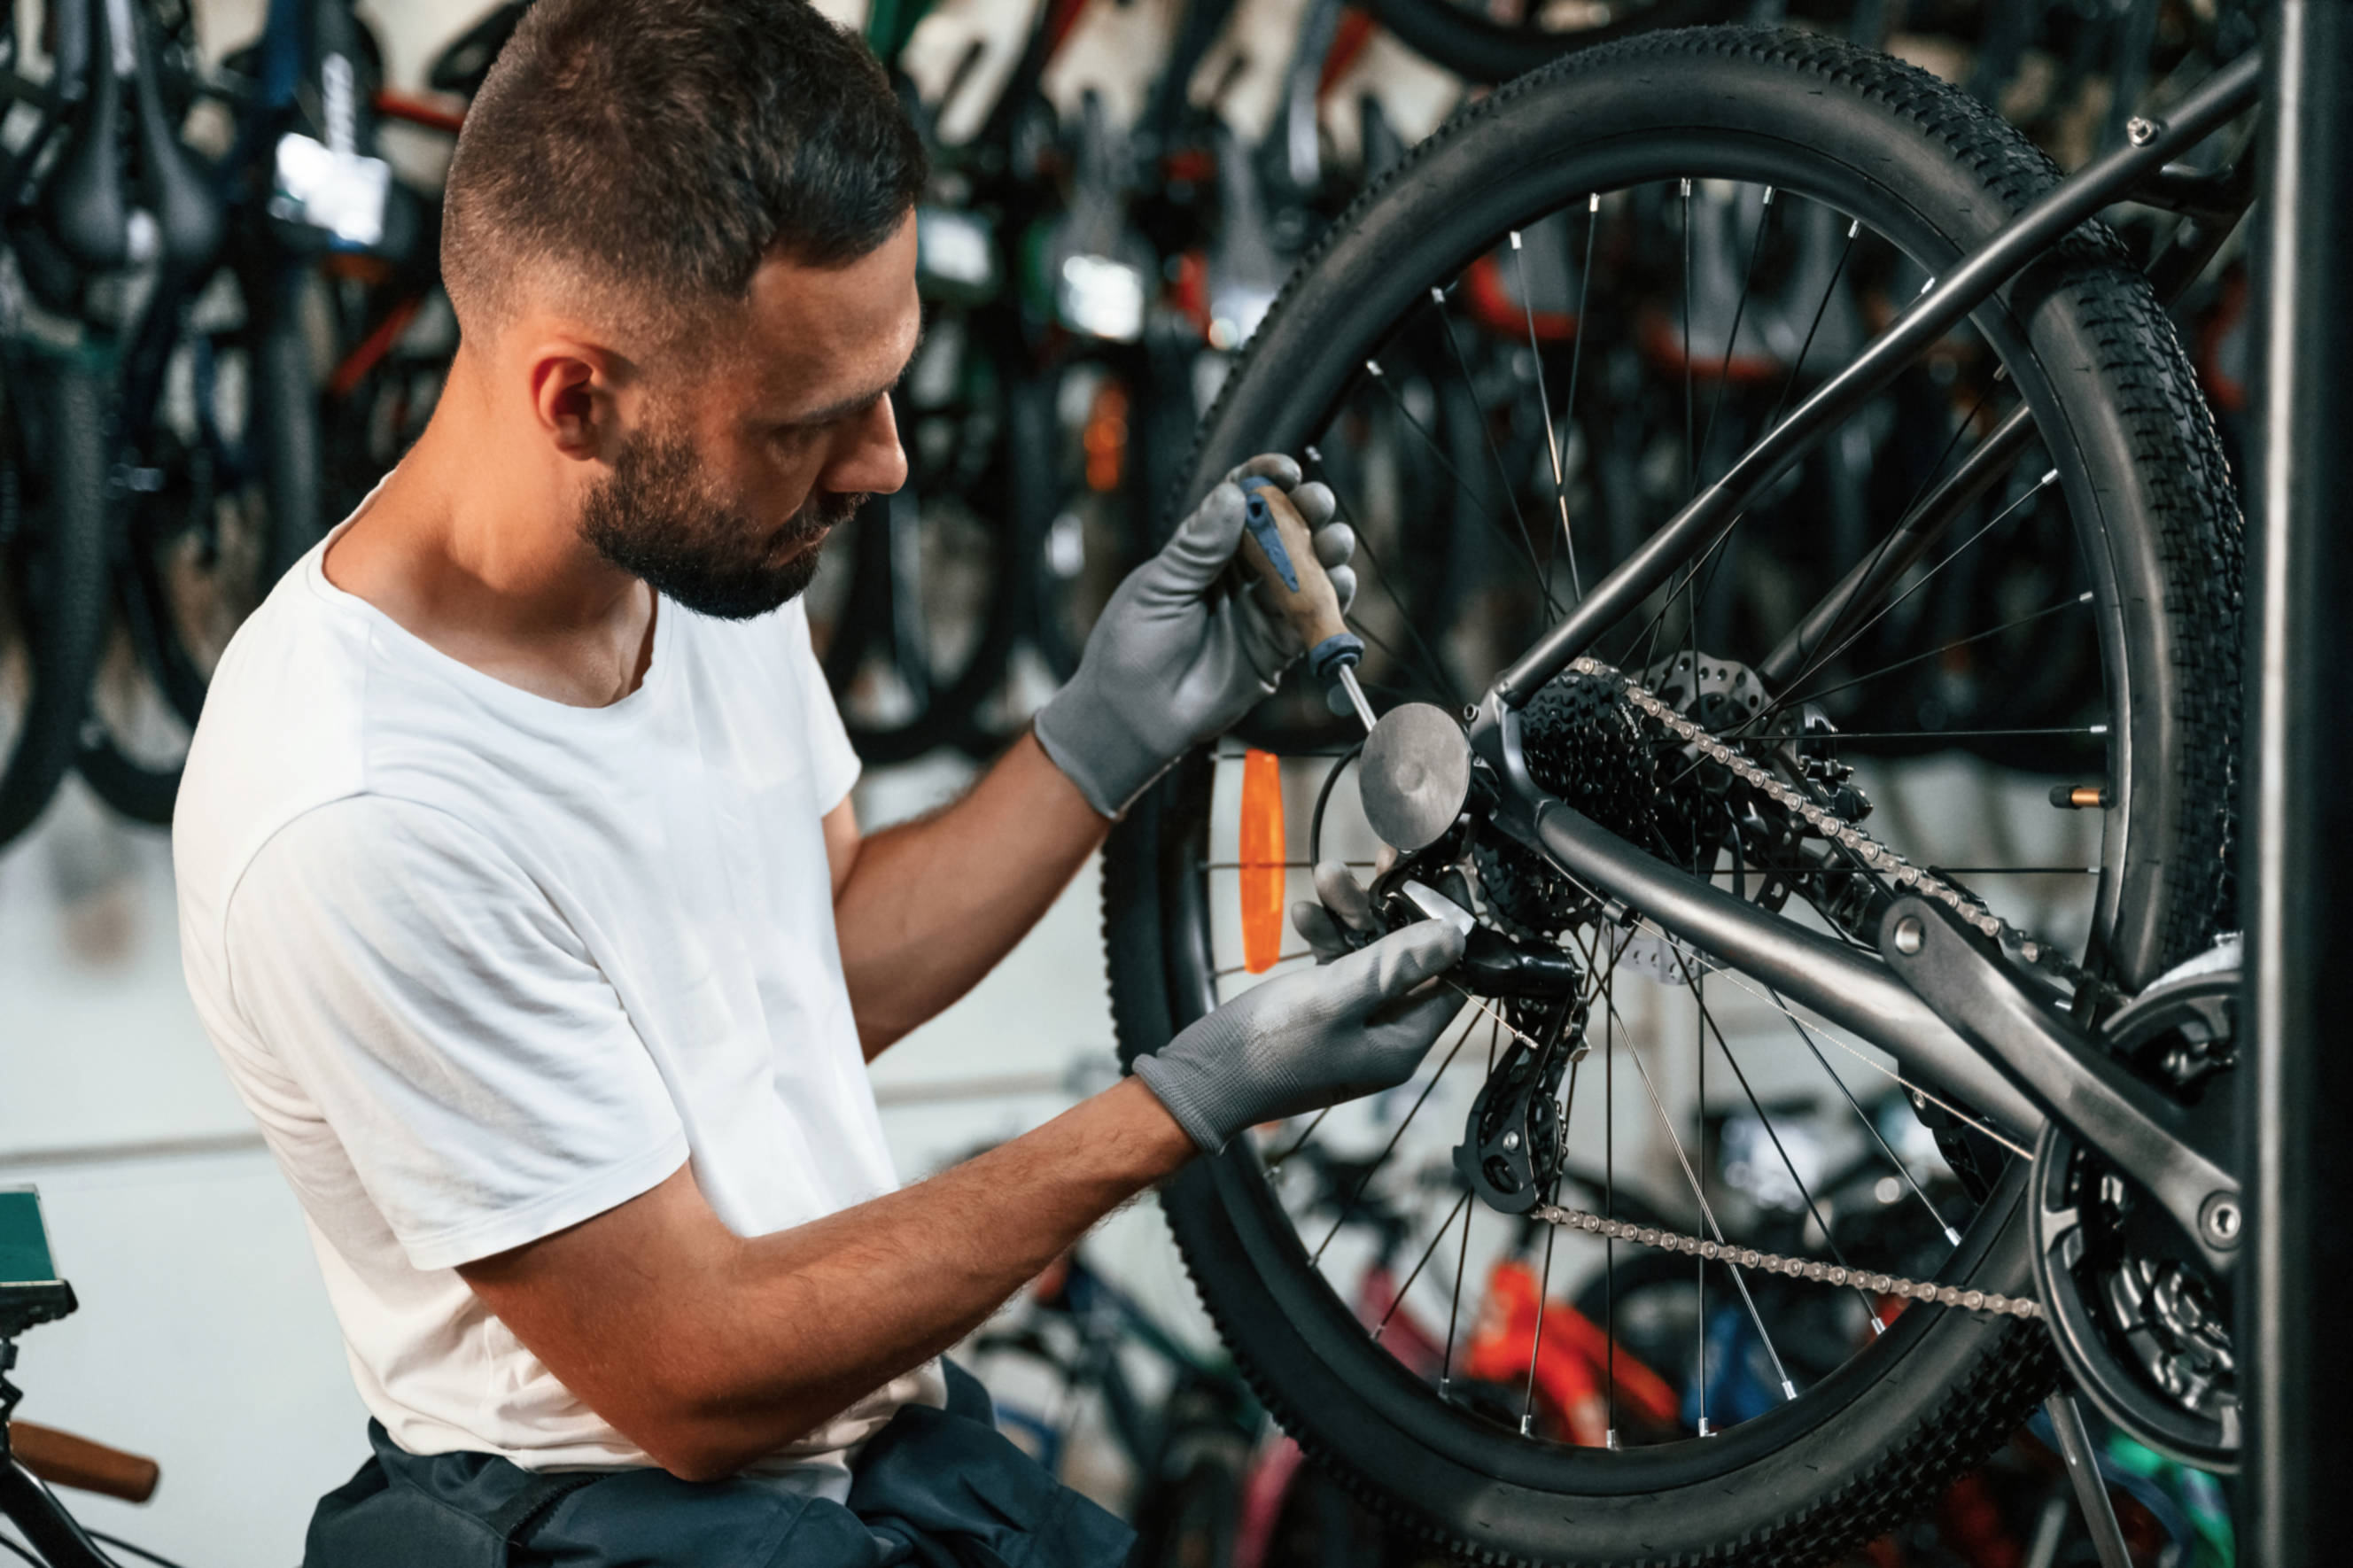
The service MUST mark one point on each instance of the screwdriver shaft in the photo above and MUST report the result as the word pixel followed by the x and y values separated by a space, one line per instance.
pixel 1348 673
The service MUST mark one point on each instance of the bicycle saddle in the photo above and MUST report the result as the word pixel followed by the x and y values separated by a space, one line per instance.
pixel 85 207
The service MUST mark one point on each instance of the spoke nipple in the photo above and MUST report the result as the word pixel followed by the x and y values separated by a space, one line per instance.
pixel 1609 1439
pixel 1527 1425
pixel 2049 477
pixel 1854 228
pixel 1704 1430
pixel 1516 239
pixel 1952 1237
pixel 2084 597
pixel 1788 1389
pixel 1593 203
pixel 1687 185
pixel 1769 197
pixel 1437 295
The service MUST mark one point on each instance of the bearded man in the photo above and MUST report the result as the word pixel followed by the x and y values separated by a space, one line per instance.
pixel 522 895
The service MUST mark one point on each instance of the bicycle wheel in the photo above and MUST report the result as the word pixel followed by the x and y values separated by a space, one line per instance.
pixel 224 496
pixel 53 529
pixel 933 598
pixel 1854 1418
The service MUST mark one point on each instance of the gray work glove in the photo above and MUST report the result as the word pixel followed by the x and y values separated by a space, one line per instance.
pixel 1343 918
pixel 1174 661
pixel 1309 1039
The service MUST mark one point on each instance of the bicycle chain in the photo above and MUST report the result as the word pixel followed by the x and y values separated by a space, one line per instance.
pixel 1873 854
pixel 1831 1274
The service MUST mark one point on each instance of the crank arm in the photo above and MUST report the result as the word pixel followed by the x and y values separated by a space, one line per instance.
pixel 2144 1135
pixel 1842 983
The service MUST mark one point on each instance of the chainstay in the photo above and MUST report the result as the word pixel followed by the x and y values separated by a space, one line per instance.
pixel 1873 854
pixel 1837 1276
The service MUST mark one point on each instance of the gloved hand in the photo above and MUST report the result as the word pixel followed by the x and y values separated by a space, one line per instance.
pixel 1343 917
pixel 1172 661
pixel 1309 1039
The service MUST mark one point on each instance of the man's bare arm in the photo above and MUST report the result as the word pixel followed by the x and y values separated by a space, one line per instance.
pixel 709 1350
pixel 926 908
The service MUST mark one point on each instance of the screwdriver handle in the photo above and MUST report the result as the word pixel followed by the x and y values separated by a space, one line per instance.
pixel 1280 551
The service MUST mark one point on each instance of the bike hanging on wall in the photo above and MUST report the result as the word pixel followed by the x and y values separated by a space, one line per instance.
pixel 1723 864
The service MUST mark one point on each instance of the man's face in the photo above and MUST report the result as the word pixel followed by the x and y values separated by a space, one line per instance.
pixel 723 498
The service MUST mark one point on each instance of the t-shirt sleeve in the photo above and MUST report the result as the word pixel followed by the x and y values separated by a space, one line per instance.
pixel 834 766
pixel 474 1062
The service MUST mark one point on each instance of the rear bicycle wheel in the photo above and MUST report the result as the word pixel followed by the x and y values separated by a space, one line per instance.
pixel 1704 1093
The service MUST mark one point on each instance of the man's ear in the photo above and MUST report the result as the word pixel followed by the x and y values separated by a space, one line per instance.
pixel 574 392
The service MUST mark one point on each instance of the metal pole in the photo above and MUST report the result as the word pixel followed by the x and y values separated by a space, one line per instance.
pixel 2297 870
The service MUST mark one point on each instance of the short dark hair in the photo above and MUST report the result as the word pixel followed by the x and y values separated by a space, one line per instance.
pixel 660 150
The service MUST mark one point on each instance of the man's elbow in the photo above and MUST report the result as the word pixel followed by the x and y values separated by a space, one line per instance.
pixel 706 1431
pixel 690 1458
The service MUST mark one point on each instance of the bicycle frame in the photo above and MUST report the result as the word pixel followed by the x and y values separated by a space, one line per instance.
pixel 1959 1020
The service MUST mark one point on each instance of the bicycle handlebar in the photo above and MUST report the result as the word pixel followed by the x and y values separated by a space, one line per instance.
pixel 62 1459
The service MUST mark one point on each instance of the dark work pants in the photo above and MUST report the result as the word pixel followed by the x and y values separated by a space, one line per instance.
pixel 934 1489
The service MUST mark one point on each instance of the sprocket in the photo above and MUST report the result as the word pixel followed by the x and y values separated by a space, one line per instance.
pixel 1590 748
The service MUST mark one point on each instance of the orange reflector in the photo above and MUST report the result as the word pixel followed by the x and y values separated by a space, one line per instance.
pixel 1261 860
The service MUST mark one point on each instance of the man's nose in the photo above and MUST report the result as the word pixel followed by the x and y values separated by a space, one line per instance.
pixel 870 460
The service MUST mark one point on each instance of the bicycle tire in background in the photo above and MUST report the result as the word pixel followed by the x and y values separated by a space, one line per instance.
pixel 53 476
pixel 284 475
pixel 1472 45
pixel 2116 403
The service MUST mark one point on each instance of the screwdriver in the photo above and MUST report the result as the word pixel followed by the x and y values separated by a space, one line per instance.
pixel 1280 551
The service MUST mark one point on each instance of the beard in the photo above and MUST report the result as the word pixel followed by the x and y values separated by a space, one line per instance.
pixel 655 518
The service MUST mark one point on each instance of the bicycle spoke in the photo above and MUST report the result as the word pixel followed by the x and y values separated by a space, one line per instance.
pixel 1366 1180
pixel 1502 470
pixel 1437 667
pixel 1576 361
pixel 1276 1164
pixel 1822 307
pixel 1691 423
pixel 1398 1300
pixel 1739 309
pixel 1773 999
pixel 1708 1021
pixel 1708 1214
pixel 1824 662
pixel 1544 400
pixel 2082 598
pixel 1699 1053
pixel 1951 1235
pixel 1544 1281
pixel 1935 505
pixel 1373 367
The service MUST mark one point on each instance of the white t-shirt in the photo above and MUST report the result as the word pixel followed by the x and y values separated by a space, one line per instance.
pixel 485 966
